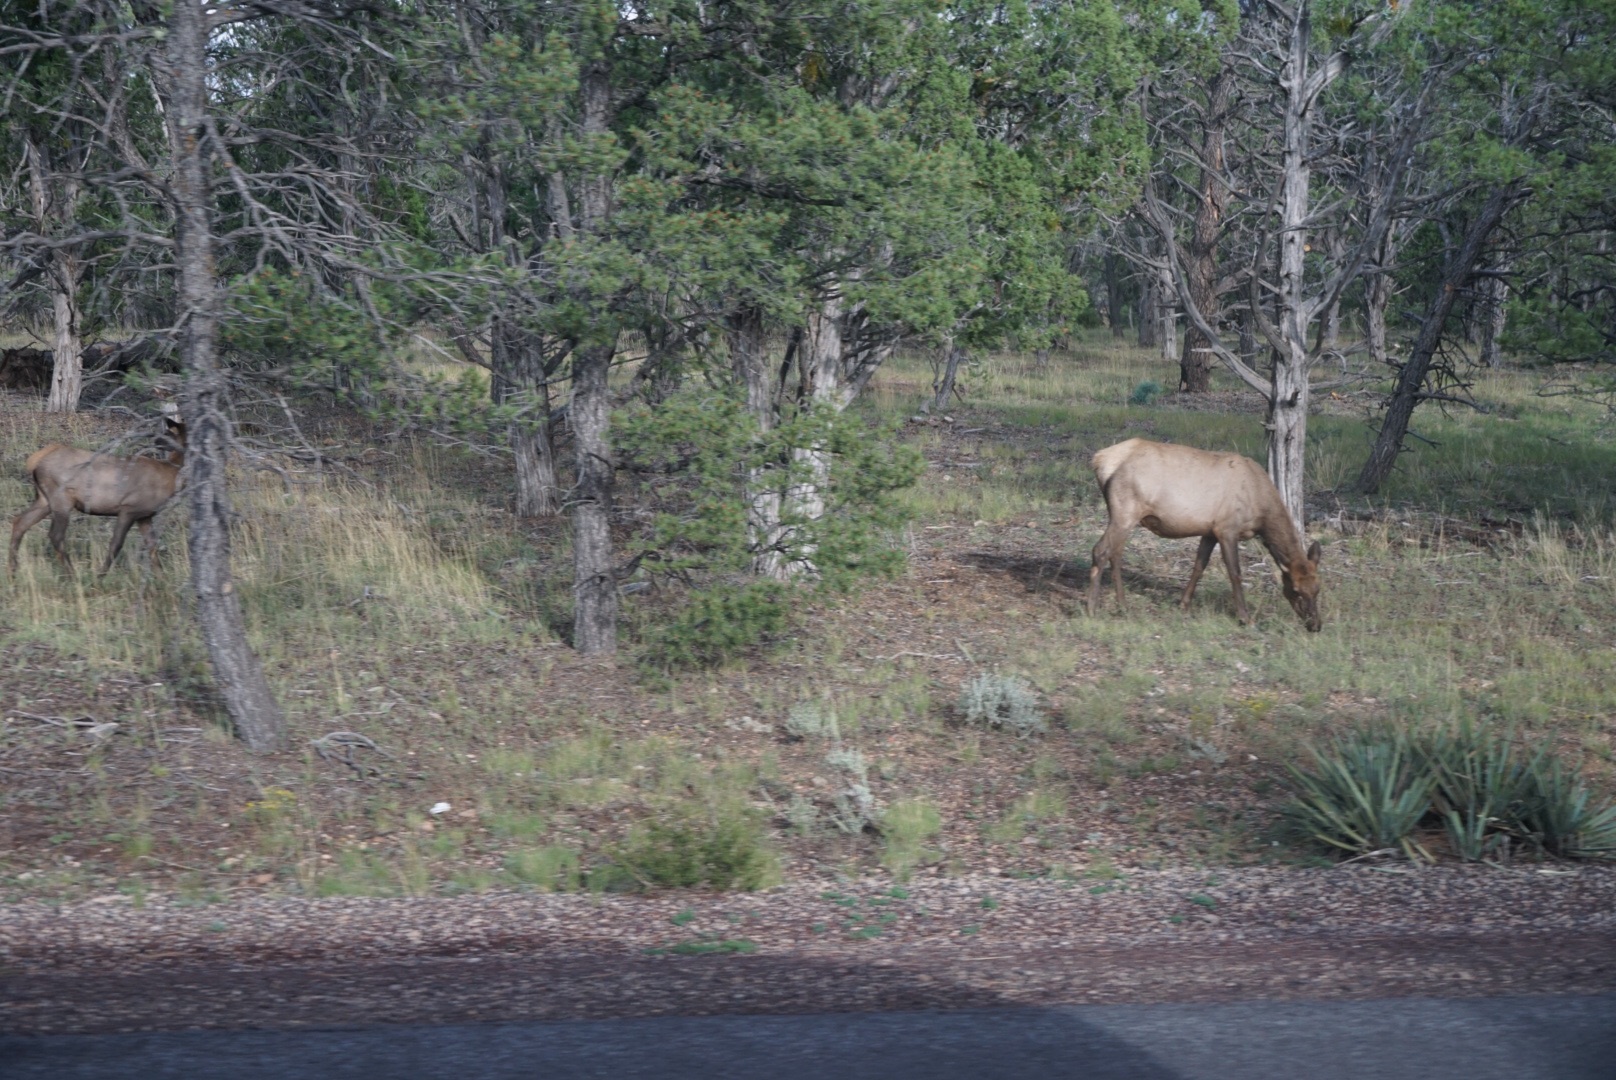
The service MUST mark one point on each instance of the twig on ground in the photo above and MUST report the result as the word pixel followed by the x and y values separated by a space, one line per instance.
pixel 922 655
pixel 58 721
pixel 341 746
pixel 87 724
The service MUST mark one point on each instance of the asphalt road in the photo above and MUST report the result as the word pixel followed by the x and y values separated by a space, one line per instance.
pixel 1564 1038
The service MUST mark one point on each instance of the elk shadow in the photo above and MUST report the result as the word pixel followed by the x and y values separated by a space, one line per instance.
pixel 1068 579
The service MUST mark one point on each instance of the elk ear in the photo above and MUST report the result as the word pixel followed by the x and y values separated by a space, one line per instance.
pixel 1314 553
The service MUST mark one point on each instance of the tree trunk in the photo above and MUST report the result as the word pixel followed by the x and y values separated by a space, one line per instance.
pixel 1411 379
pixel 67 369
pixel 538 494
pixel 518 376
pixel 1378 297
pixel 1201 265
pixel 1149 324
pixel 237 674
pixel 1288 391
pixel 1113 294
pixel 1248 335
pixel 822 369
pixel 1287 436
pixel 952 355
pixel 594 621
pixel 748 350
pixel 1166 314
pixel 1335 247
pixel 1495 312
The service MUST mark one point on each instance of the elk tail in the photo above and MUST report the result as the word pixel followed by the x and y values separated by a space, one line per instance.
pixel 1105 463
pixel 35 458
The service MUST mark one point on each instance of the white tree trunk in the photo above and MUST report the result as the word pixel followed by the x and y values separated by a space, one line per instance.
pixel 537 492
pixel 821 365
pixel 1288 394
pixel 67 371
pixel 750 364
pixel 1378 296
pixel 55 203
pixel 1495 312
pixel 1166 314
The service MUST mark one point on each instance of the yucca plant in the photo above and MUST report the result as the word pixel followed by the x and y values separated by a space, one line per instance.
pixel 1479 788
pixel 1364 793
pixel 1559 815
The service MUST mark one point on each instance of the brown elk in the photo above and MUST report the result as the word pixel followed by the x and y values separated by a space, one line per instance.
pixel 1179 491
pixel 132 490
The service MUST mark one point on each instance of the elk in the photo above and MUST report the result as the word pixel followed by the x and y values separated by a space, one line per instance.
pixel 1179 491
pixel 132 490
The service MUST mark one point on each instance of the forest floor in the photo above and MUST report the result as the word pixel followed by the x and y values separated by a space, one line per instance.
pixel 401 601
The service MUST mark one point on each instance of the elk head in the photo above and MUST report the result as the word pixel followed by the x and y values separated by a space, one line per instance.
pixel 1300 583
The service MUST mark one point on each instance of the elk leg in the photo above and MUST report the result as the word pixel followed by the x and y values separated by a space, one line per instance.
pixel 148 536
pixel 22 523
pixel 1203 555
pixel 1231 562
pixel 1108 550
pixel 119 531
pixel 58 537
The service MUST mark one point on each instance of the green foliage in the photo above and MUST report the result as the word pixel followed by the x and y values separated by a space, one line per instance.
pixel 716 624
pixel 1002 701
pixel 698 462
pixel 724 851
pixel 1479 788
pixel 906 826
pixel 1364 793
pixel 1370 791
pixel 721 947
pixel 1560 815
pixel 280 319
pixel 551 868
pixel 1145 393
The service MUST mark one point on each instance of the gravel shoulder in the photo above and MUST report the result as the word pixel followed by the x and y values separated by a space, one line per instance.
pixel 972 942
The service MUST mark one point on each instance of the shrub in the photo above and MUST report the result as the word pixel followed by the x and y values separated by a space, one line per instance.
pixel 1478 787
pixel 552 868
pixel 1558 815
pixel 905 828
pixel 1370 791
pixel 1365 793
pixel 1145 393
pixel 728 851
pixel 853 808
pixel 691 464
pixel 803 815
pixel 717 624
pixel 811 720
pixel 1002 701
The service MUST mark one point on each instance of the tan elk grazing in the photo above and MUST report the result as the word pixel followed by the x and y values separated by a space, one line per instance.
pixel 1179 491
pixel 132 490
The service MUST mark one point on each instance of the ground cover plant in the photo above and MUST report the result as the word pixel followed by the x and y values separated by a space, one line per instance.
pixel 444 738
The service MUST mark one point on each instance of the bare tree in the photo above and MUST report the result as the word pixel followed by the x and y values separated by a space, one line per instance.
pixel 1211 206
pixel 1457 273
pixel 1279 48
pixel 55 202
pixel 177 147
